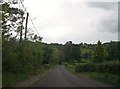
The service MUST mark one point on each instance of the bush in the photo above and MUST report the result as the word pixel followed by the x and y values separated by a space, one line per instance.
pixel 85 67
pixel 46 66
pixel 64 63
pixel 108 67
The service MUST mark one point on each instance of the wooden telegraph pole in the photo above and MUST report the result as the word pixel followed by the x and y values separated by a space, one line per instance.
pixel 26 26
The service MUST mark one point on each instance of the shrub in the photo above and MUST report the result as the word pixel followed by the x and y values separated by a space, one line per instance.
pixel 46 66
pixel 85 67
pixel 108 67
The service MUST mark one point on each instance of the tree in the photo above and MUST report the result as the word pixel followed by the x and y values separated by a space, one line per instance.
pixel 12 19
pixel 76 52
pixel 47 54
pixel 67 51
pixel 37 38
pixel 71 52
pixel 98 53
pixel 113 51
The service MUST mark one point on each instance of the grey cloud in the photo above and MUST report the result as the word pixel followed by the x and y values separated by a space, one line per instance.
pixel 108 25
pixel 104 5
pixel 75 21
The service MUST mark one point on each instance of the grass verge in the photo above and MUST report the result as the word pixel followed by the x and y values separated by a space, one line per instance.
pixel 112 79
pixel 10 79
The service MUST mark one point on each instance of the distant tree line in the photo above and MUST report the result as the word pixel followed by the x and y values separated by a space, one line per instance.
pixel 100 52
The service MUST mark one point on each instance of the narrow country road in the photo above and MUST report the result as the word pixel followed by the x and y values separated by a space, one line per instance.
pixel 59 77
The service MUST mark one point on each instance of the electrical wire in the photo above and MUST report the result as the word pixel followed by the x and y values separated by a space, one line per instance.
pixel 30 18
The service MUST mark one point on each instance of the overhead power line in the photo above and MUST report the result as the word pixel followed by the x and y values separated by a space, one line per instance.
pixel 30 18
pixel 34 26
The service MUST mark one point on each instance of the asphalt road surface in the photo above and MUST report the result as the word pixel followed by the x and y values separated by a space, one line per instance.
pixel 59 77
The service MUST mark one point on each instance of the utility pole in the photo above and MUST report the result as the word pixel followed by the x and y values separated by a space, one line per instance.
pixel 26 26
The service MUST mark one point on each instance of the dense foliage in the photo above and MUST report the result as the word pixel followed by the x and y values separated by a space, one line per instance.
pixel 71 52
pixel 20 56
pixel 100 52
pixel 108 67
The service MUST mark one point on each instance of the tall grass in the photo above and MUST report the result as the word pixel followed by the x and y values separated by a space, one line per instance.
pixel 10 79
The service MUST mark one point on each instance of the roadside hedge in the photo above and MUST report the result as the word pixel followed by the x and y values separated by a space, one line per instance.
pixel 109 67
pixel 85 67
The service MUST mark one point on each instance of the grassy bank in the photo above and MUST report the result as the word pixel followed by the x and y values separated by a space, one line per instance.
pixel 11 79
pixel 112 79
pixel 105 77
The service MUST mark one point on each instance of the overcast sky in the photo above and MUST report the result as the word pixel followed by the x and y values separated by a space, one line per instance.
pixel 58 21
